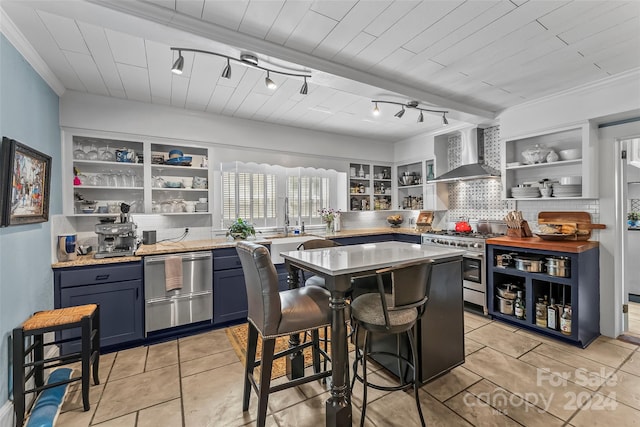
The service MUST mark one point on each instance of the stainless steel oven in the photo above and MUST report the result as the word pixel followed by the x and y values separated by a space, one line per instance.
pixel 473 262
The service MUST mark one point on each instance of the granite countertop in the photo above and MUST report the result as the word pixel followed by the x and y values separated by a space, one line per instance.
pixel 573 246
pixel 218 243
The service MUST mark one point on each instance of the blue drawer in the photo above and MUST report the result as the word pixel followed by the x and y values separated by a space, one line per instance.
pixel 100 274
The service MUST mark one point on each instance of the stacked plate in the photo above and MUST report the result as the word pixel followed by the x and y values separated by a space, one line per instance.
pixel 525 192
pixel 568 190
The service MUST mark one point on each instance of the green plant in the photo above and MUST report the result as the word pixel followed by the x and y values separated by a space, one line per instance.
pixel 241 229
pixel 633 216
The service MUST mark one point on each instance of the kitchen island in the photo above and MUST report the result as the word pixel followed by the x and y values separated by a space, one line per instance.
pixel 440 331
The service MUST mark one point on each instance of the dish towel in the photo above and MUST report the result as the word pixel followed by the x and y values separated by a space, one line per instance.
pixel 173 273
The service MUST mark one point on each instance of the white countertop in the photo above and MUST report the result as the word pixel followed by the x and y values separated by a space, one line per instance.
pixel 370 256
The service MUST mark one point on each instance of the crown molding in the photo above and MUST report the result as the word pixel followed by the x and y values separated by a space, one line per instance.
pixel 22 45
pixel 634 73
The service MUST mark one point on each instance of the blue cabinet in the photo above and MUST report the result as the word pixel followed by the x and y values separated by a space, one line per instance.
pixel 580 290
pixel 407 238
pixel 118 290
pixel 357 240
pixel 229 292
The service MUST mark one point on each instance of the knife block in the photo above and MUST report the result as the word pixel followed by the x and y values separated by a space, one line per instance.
pixel 523 231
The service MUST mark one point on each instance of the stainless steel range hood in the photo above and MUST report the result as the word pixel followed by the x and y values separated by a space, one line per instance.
pixel 473 166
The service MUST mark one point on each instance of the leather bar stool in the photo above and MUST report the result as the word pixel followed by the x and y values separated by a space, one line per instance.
pixel 84 317
pixel 316 244
pixel 273 314
pixel 393 313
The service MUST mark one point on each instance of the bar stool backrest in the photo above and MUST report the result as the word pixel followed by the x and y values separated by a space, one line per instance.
pixel 317 244
pixel 410 284
pixel 261 281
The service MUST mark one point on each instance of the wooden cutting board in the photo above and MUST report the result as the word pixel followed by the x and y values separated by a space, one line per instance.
pixel 567 220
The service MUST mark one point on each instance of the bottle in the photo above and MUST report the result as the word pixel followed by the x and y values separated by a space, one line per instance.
pixel 541 313
pixel 361 172
pixel 565 321
pixel 552 316
pixel 520 308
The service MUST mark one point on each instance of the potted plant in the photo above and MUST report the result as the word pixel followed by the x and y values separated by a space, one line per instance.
pixel 633 218
pixel 241 229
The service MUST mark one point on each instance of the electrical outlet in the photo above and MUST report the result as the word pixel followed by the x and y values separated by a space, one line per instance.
pixel 186 230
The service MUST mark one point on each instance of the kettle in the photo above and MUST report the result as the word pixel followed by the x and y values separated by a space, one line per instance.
pixel 67 247
pixel 463 227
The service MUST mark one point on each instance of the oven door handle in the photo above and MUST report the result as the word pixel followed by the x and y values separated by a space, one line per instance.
pixel 472 255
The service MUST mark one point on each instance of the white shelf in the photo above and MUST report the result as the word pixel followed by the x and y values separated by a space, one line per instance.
pixel 546 165
pixel 177 167
pixel 102 187
pixel 199 190
pixel 104 163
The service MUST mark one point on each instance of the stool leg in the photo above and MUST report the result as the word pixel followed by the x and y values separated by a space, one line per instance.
pixel 95 345
pixel 18 375
pixel 315 337
pixel 268 347
pixel 252 344
pixel 356 358
pixel 414 355
pixel 364 377
pixel 85 354
pixel 38 355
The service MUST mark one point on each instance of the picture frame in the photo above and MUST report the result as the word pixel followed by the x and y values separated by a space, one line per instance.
pixel 25 182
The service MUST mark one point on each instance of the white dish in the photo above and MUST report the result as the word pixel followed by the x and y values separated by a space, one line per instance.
pixel 571 154
pixel 571 180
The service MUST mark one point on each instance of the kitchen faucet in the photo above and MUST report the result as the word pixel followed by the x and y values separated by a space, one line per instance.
pixel 286 216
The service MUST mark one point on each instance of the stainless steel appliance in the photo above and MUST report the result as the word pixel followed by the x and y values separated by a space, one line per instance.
pixel 116 239
pixel 473 262
pixel 192 303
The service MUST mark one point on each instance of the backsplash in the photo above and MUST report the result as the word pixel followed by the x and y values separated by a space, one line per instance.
pixel 633 205
pixel 483 198
pixel 479 199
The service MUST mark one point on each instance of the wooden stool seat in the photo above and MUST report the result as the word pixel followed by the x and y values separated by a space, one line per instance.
pixel 58 317
pixel 29 355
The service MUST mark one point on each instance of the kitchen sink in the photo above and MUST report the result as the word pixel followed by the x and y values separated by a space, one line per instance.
pixel 284 244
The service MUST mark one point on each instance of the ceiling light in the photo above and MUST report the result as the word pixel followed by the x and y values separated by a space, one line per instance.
pixel 177 66
pixel 246 59
pixel 304 88
pixel 270 83
pixel 226 73
pixel 412 105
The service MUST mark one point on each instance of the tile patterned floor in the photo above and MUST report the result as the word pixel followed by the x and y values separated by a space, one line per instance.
pixel 511 377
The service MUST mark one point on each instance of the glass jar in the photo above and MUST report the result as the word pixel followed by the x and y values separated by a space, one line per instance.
pixel 541 313
pixel 519 306
pixel 565 321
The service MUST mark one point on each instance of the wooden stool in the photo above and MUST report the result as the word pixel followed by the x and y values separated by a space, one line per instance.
pixel 85 317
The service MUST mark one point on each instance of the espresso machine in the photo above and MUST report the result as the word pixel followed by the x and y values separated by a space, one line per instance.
pixel 117 239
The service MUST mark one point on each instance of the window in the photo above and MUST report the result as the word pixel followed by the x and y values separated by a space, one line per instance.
pixel 250 191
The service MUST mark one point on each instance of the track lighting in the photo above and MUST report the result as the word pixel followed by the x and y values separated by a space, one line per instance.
pixel 270 83
pixel 177 66
pixel 410 105
pixel 226 73
pixel 246 59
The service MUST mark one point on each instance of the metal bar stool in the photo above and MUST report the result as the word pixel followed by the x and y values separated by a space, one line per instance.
pixel 393 313
pixel 85 317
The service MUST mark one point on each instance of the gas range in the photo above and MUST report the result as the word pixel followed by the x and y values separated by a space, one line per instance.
pixel 473 242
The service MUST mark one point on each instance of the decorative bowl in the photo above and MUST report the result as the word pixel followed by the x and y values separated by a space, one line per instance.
pixel 571 154
pixel 172 184
pixel 395 220
pixel 173 154
pixel 535 155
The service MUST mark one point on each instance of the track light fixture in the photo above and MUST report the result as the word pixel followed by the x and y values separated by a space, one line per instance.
pixel 410 105
pixel 246 59
pixel 226 73
pixel 177 66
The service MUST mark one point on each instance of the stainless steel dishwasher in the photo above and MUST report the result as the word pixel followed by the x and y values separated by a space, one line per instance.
pixel 192 303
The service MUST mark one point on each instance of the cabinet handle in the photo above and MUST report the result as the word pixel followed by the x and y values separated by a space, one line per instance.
pixel 137 293
pixel 102 277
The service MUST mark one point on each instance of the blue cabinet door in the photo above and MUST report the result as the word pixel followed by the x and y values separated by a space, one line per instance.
pixel 357 240
pixel 121 307
pixel 229 296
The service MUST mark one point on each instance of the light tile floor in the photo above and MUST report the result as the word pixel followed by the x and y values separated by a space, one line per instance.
pixel 511 377
pixel 634 319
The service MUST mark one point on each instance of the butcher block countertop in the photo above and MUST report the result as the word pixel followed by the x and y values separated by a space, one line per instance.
pixel 573 246
pixel 218 243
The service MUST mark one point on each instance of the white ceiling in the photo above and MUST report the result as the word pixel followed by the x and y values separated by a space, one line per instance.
pixel 473 58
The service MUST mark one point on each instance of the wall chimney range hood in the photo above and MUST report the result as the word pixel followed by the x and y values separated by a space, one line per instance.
pixel 473 166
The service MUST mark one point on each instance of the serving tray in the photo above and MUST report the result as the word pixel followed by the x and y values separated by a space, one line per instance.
pixel 580 221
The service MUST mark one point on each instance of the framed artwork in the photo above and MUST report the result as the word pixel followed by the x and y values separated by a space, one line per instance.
pixel 25 179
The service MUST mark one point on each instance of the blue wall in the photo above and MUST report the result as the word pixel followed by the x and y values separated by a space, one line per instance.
pixel 29 114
